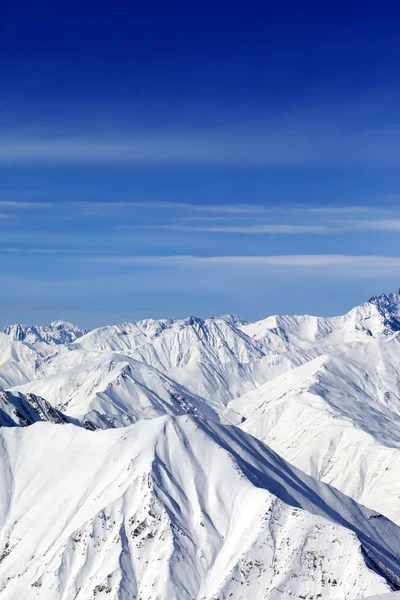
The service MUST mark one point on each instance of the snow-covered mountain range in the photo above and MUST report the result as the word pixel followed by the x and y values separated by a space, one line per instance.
pixel 202 459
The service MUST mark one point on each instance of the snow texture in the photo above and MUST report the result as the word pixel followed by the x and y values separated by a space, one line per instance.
pixel 202 459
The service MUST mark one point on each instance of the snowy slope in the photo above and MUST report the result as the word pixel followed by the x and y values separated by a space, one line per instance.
pixel 19 410
pixel 212 358
pixel 216 359
pixel 378 318
pixel 129 336
pixel 56 332
pixel 166 501
pixel 178 509
pixel 209 359
pixel 390 596
pixel 110 389
pixel 23 349
pixel 338 418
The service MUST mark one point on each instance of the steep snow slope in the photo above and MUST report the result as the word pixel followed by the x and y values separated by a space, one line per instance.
pixel 378 318
pixel 109 389
pixel 178 509
pixel 23 349
pixel 213 359
pixel 392 596
pixel 210 359
pixel 19 410
pixel 56 332
pixel 221 358
pixel 78 379
pixel 213 340
pixel 337 418
pixel 129 336
pixel 126 336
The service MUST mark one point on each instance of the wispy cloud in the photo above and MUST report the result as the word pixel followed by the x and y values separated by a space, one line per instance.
pixel 290 260
pixel 332 228
pixel 344 209
pixel 250 229
pixel 187 206
pixel 75 251
pixel 98 207
pixel 200 210
pixel 15 204
pixel 269 145
pixel 383 225
pixel 142 150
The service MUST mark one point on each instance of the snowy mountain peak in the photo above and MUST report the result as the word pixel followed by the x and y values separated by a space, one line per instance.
pixel 176 495
pixel 178 509
pixel 59 331
pixel 192 320
pixel 17 332
pixel 389 307
pixel 231 319
pixel 387 302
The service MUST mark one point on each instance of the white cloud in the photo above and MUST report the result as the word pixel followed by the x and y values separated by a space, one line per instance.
pixel 212 208
pixel 17 204
pixel 52 251
pixel 290 260
pixel 218 209
pixel 345 209
pixel 250 229
pixel 383 225
pixel 268 145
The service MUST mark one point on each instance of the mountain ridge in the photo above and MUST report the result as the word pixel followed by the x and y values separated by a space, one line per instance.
pixel 193 501
pixel 237 458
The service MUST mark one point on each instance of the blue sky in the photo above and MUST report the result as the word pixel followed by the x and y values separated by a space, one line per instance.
pixel 178 158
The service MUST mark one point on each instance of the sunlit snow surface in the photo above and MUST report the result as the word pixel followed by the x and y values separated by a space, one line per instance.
pixel 129 467
pixel 177 508
pixel 393 596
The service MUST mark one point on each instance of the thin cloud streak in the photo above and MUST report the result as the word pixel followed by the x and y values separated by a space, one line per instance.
pixel 384 225
pixel 52 251
pixel 268 146
pixel 345 209
pixel 338 227
pixel 290 260
pixel 21 205
pixel 250 229
pixel 234 209
pixel 217 208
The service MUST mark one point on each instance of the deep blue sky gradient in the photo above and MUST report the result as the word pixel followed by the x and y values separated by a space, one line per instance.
pixel 135 133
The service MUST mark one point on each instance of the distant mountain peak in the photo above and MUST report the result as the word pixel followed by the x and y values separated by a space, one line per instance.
pixel 231 319
pixel 60 331
pixel 391 300
pixel 389 307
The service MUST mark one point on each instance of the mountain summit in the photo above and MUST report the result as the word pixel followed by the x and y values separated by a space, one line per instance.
pixel 389 307
pixel 202 459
